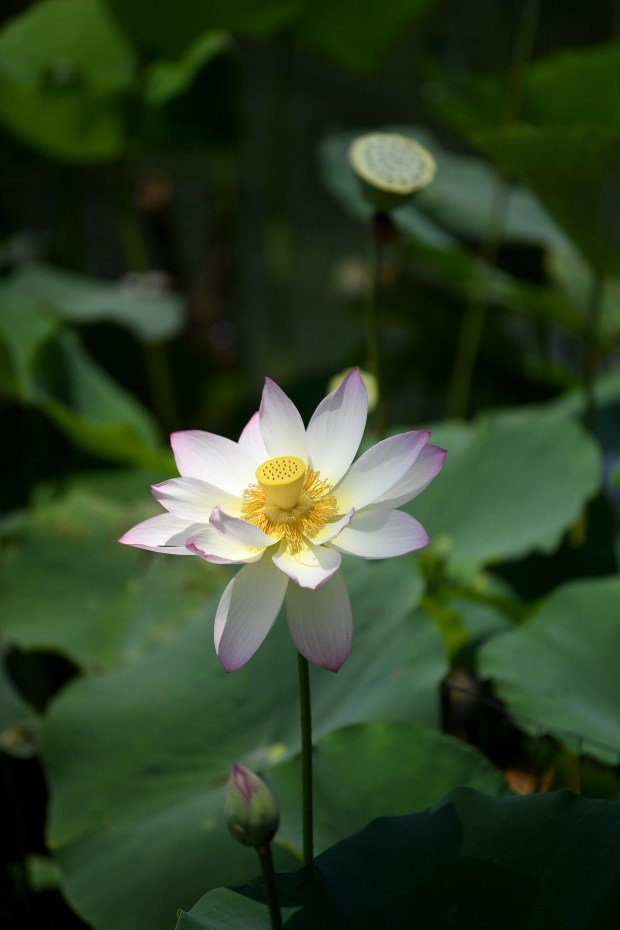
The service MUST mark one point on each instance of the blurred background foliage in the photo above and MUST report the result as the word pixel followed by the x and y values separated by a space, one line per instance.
pixel 177 219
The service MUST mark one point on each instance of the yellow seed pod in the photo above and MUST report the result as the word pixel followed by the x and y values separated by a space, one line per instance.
pixel 390 167
pixel 282 480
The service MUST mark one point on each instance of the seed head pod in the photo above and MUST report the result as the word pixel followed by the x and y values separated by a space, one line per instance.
pixel 390 167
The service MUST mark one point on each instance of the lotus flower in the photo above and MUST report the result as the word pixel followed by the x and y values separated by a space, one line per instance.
pixel 286 502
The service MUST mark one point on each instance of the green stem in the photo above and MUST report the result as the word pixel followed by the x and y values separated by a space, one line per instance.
pixel 472 325
pixel 129 232
pixel 372 324
pixel 591 339
pixel 136 259
pixel 271 888
pixel 306 759
pixel 71 216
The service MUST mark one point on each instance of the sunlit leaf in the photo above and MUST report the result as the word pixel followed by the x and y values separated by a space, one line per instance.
pixel 512 484
pixel 558 673
pixel 149 311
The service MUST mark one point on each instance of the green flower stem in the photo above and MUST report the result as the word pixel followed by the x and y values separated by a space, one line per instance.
pixel 472 325
pixel 271 888
pixel 474 317
pixel 136 259
pixel 591 339
pixel 306 760
pixel 372 322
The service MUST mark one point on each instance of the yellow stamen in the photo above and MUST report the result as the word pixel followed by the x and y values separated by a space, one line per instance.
pixel 282 480
pixel 312 510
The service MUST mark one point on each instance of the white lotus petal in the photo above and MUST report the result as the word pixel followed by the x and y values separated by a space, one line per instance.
pixel 251 440
pixel 336 428
pixel 379 469
pixel 332 530
pixel 213 547
pixel 240 531
pixel 247 611
pixel 163 533
pixel 311 567
pixel 321 622
pixel 193 499
pixel 377 533
pixel 426 467
pixel 281 424
pixel 215 459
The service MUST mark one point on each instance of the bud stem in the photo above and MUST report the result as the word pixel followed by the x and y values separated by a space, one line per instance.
pixel 306 759
pixel 271 888
pixel 373 338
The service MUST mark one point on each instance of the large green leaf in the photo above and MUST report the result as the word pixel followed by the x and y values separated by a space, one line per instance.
pixel 573 279
pixel 357 34
pixel 47 367
pixel 364 772
pixel 558 673
pixel 576 85
pixel 19 722
pixel 513 483
pixel 466 193
pixel 78 36
pixel 138 757
pixel 93 600
pixel 95 412
pixel 151 313
pixel 575 172
pixel 63 65
pixel 71 124
pixel 469 861
pixel 25 329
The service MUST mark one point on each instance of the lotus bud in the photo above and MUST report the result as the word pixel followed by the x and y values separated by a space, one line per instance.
pixel 370 383
pixel 390 168
pixel 250 808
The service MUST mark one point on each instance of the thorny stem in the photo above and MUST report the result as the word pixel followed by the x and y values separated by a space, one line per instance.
pixel 306 759
pixel 271 888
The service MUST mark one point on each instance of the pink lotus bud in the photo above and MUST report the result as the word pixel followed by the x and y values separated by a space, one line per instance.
pixel 250 808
